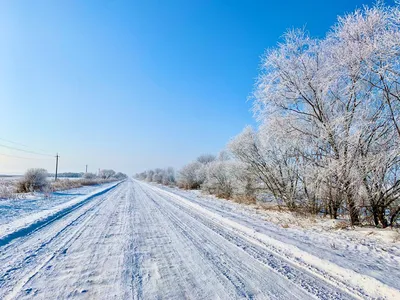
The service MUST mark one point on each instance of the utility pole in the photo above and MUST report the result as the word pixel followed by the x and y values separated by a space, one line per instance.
pixel 57 156
pixel 86 168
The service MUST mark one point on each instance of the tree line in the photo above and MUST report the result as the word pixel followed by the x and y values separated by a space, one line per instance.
pixel 328 134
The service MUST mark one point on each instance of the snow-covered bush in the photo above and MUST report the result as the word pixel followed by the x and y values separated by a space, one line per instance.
pixel 33 180
pixel 219 179
pixel 191 176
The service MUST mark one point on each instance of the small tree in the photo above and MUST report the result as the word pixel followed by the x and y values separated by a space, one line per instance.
pixel 219 179
pixel 106 174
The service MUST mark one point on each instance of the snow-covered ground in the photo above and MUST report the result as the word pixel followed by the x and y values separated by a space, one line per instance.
pixel 140 241
pixel 370 251
pixel 30 203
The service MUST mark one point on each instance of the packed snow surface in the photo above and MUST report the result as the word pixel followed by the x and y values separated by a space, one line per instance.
pixel 137 241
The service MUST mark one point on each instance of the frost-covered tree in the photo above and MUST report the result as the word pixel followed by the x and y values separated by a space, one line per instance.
pixel 106 174
pixel 338 97
pixel 191 176
pixel 149 175
pixel 168 176
pixel 89 176
pixel 229 178
pixel 219 179
pixel 206 158
pixel 120 176
pixel 328 138
pixel 158 175
pixel 272 160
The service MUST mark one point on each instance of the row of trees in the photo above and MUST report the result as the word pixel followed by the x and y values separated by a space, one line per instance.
pixel 330 115
pixel 162 176
pixel 219 175
pixel 328 138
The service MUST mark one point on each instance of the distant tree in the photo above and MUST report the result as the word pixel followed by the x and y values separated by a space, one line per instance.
pixel 206 158
pixel 89 176
pixel 120 176
pixel 149 175
pixel 106 174
pixel 158 175
pixel 168 176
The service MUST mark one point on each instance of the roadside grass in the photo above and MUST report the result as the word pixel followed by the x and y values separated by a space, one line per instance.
pixel 66 184
pixel 9 188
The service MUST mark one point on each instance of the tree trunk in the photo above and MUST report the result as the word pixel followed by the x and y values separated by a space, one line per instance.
pixel 354 219
pixel 335 210
pixel 375 215
pixel 381 216
pixel 394 216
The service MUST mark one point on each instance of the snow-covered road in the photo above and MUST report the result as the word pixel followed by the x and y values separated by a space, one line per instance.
pixel 140 242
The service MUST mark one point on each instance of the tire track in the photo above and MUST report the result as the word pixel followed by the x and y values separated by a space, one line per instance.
pixel 299 277
pixel 33 257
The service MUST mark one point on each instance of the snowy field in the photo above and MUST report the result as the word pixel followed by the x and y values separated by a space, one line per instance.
pixel 27 204
pixel 138 241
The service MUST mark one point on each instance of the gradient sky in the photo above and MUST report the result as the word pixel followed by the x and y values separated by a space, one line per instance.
pixel 132 85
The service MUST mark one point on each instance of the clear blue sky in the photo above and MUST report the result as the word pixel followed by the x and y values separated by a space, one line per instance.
pixel 132 85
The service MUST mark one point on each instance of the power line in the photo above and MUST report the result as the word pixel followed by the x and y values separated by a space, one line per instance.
pixel 15 143
pixel 23 150
pixel 15 156
pixel 23 145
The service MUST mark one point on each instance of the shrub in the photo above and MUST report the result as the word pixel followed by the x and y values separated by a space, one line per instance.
pixel 33 180
pixel 7 189
pixel 191 176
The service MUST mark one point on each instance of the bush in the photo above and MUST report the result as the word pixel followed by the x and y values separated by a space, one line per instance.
pixel 7 189
pixel 33 180
pixel 191 176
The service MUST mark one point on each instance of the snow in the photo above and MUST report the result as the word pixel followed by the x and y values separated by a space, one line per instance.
pixel 30 222
pixel 12 209
pixel 364 285
pixel 140 241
